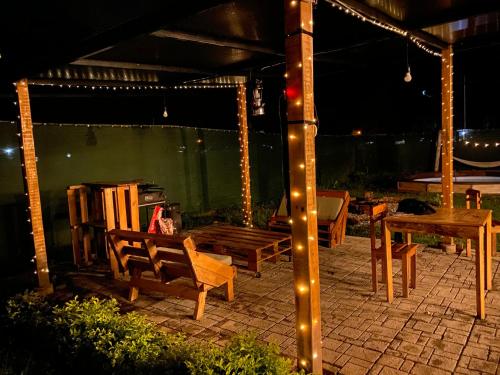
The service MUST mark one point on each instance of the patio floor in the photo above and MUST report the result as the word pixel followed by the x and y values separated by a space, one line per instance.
pixel 434 331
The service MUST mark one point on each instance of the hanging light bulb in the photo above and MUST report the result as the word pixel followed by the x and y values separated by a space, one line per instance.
pixel 407 78
pixel 165 113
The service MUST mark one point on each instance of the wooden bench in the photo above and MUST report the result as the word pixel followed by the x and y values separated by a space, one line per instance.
pixel 177 268
pixel 332 206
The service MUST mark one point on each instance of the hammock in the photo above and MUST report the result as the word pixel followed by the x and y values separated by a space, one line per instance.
pixel 479 164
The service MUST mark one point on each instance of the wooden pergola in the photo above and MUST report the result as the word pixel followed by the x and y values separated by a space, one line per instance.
pixel 427 25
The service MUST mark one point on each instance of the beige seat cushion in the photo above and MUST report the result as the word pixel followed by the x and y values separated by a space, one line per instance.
pixel 282 208
pixel 226 259
pixel 329 207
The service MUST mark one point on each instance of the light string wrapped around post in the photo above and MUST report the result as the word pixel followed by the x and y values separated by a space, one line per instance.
pixel 32 192
pixel 302 169
pixel 246 197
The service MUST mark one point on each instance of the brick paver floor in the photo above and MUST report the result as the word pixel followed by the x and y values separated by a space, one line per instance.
pixel 434 331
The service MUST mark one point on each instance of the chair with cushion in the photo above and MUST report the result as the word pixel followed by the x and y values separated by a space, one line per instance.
pixel 406 252
pixel 473 199
pixel 332 208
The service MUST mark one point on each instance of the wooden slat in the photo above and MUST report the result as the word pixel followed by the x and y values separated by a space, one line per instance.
pixel 302 169
pixel 262 235
pixel 134 207
pixel 84 215
pixel 32 189
pixel 121 208
pixel 109 212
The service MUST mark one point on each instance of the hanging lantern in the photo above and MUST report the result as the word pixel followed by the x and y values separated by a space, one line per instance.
pixel 257 104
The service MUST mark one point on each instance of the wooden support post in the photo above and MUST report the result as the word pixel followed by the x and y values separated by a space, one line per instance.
pixel 32 189
pixel 246 195
pixel 302 166
pixel 447 135
pixel 447 126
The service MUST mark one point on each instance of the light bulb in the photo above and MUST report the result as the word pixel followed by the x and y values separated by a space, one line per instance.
pixel 408 77
pixel 165 114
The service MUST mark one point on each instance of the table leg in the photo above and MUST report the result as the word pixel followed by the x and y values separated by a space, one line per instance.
pixel 488 254
pixel 387 263
pixel 480 274
pixel 254 262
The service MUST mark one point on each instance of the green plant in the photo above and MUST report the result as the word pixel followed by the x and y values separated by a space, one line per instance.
pixel 29 308
pixel 243 355
pixel 92 336
pixel 95 326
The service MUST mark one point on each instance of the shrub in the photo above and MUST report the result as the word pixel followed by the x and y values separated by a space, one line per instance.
pixel 92 336
pixel 95 328
pixel 243 355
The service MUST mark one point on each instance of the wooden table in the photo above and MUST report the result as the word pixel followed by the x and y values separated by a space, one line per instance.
pixel 452 222
pixel 250 245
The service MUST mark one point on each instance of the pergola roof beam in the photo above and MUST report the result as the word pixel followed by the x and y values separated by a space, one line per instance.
pixel 139 66
pixel 216 41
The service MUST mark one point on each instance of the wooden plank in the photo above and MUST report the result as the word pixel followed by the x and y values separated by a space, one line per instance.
pixel 32 189
pixel 134 207
pixel 246 195
pixel 480 290
pixel 251 231
pixel 121 208
pixel 302 169
pixel 387 262
pixel 84 215
pixel 73 222
pixel 488 254
pixel 109 213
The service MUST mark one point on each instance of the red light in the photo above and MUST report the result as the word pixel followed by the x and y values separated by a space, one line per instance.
pixel 291 92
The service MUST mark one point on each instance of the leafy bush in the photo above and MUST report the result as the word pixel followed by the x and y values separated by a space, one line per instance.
pixel 243 355
pixel 95 327
pixel 92 336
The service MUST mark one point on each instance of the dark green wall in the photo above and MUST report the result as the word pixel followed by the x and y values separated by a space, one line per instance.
pixel 198 168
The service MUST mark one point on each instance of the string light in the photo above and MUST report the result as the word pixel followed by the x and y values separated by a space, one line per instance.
pixel 353 12
pixel 127 86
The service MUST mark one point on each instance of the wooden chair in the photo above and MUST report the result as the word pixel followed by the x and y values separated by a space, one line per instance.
pixel 332 208
pixel 473 199
pixel 178 269
pixel 406 252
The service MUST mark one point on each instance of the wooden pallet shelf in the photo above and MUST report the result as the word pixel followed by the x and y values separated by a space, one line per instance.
pixel 94 210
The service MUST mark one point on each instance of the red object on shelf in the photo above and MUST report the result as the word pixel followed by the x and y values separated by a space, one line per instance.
pixel 153 228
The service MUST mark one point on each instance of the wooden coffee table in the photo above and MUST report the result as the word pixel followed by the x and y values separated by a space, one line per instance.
pixel 249 245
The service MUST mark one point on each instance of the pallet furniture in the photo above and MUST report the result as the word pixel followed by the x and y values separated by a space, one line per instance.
pixel 95 209
pixel 178 269
pixel 332 207
pixel 406 252
pixel 249 245
pixel 452 222
pixel 473 200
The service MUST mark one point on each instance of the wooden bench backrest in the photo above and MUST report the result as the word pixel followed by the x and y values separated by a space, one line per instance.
pixel 121 242
pixel 200 267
